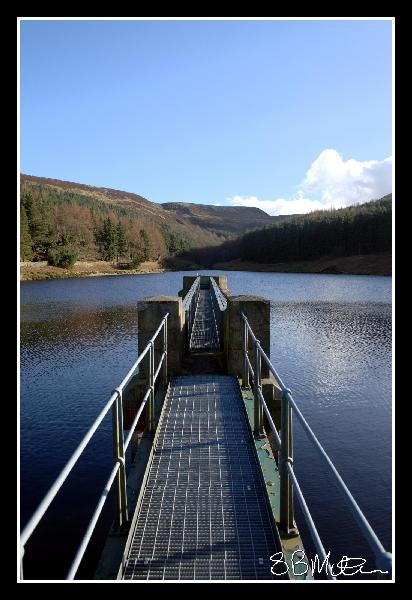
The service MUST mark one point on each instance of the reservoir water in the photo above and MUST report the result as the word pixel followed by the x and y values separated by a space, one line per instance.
pixel 330 342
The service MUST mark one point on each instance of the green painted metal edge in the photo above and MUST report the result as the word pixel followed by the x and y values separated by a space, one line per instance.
pixel 271 478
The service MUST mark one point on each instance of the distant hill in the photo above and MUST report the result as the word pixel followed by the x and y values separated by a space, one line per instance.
pixel 384 199
pixel 354 230
pixel 357 230
pixel 224 220
pixel 117 201
pixel 62 221
pixel 55 213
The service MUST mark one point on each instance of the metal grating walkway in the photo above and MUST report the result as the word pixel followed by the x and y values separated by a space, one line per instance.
pixel 204 513
pixel 204 333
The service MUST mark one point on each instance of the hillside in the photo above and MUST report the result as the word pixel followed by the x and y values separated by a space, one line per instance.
pixel 80 209
pixel 363 264
pixel 57 213
pixel 354 230
pixel 223 220
pixel 76 213
pixel 110 230
pixel 360 230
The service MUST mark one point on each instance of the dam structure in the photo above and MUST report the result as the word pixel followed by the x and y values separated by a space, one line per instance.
pixel 210 490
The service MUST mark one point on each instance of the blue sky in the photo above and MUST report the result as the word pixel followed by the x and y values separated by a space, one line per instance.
pixel 285 115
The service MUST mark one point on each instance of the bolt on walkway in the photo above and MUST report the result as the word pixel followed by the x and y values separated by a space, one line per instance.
pixel 204 512
pixel 205 332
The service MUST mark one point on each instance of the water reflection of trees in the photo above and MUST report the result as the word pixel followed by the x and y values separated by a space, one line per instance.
pixel 80 326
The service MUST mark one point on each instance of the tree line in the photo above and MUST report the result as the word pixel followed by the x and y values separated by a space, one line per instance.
pixel 360 229
pixel 40 241
pixel 63 226
pixel 114 243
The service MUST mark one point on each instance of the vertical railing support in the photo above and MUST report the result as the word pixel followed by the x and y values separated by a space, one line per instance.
pixel 21 562
pixel 150 403
pixel 257 389
pixel 118 453
pixel 189 305
pixel 188 325
pixel 165 354
pixel 286 524
pixel 245 363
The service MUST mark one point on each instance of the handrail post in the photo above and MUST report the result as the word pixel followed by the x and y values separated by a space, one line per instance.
pixel 150 403
pixel 165 353
pixel 286 455
pixel 188 325
pixel 189 305
pixel 21 562
pixel 245 363
pixel 257 388
pixel 118 453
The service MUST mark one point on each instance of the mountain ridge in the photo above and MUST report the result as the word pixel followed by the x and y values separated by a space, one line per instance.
pixel 241 218
pixel 76 210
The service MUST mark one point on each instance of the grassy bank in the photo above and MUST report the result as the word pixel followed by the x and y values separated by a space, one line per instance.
pixel 367 264
pixel 32 271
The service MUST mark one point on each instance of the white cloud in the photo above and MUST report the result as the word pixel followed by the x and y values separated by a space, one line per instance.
pixel 334 182
pixel 280 206
pixel 341 183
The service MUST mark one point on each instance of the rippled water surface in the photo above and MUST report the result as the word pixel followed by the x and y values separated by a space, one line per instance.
pixel 330 341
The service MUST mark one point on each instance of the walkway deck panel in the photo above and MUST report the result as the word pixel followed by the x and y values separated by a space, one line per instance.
pixel 204 513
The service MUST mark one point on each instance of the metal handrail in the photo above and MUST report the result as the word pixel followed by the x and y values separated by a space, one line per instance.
pixel 217 318
pixel 221 300
pixel 219 305
pixel 120 446
pixel 189 306
pixel 189 296
pixel 288 479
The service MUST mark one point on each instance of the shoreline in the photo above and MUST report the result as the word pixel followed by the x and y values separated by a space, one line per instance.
pixel 370 264
pixel 364 264
pixel 41 271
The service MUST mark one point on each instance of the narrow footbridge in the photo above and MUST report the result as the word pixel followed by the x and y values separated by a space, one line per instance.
pixel 205 335
pixel 204 513
pixel 211 488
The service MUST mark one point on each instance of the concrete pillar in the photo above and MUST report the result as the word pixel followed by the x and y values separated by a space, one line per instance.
pixel 257 310
pixel 221 281
pixel 151 311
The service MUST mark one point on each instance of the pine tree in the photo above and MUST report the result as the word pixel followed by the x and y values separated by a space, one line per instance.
pixel 38 217
pixel 27 203
pixel 122 244
pixel 147 248
pixel 26 252
pixel 107 239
